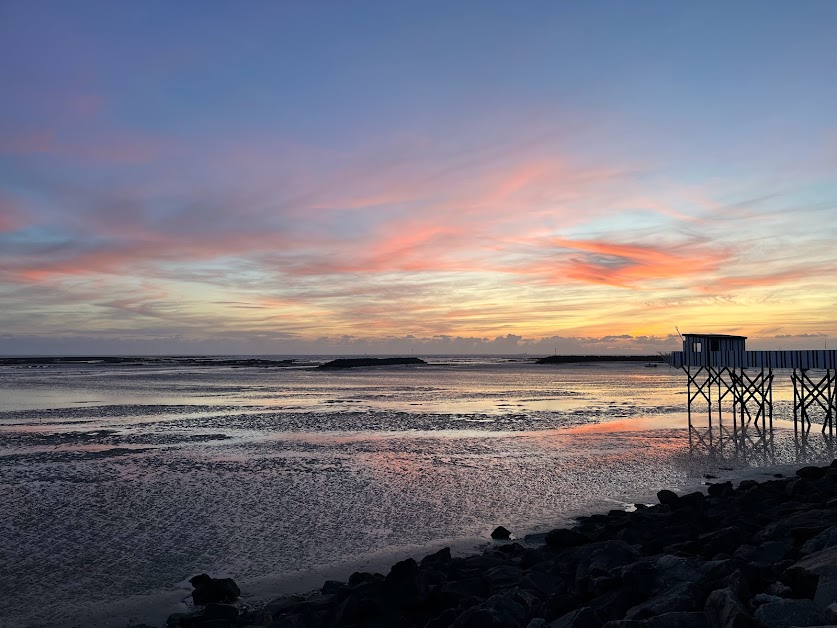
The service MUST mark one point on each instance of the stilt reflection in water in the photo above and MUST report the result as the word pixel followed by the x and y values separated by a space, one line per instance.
pixel 755 446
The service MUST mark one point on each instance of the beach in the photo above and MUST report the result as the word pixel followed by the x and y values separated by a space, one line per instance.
pixel 122 482
pixel 760 554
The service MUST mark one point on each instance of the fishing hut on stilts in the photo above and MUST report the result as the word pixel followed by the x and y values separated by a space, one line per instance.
pixel 733 388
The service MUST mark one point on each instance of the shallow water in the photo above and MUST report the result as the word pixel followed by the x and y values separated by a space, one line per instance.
pixel 118 483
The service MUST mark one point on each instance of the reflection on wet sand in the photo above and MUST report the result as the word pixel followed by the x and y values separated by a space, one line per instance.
pixel 754 445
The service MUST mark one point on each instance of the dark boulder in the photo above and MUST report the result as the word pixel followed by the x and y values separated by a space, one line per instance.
pixel 359 577
pixel 826 594
pixel 724 610
pixel 767 553
pixel 500 533
pixel 788 613
pixel 811 473
pixel 720 489
pixel 804 575
pixel 584 617
pixel 668 620
pixel 504 577
pixel 442 557
pixel 667 497
pixel 498 611
pixel 405 584
pixel 725 540
pixel 824 540
pixel 563 537
pixel 691 500
pixel 680 598
pixel 213 590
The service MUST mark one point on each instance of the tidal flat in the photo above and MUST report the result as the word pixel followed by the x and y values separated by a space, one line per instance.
pixel 120 483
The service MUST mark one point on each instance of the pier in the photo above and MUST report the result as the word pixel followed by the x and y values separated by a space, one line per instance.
pixel 733 388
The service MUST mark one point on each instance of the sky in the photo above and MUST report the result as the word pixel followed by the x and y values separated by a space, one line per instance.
pixel 433 177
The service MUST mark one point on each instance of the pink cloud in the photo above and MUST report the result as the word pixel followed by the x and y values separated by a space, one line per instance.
pixel 630 265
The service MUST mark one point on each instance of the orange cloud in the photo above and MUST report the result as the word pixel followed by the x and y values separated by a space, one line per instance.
pixel 628 265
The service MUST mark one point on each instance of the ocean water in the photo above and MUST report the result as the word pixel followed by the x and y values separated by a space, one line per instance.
pixel 119 482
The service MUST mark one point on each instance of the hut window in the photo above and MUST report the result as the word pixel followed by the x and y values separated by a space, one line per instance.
pixel 696 347
pixel 714 345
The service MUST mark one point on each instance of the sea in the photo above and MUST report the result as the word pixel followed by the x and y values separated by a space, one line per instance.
pixel 121 480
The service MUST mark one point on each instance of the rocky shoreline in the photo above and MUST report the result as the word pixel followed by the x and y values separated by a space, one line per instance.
pixel 760 555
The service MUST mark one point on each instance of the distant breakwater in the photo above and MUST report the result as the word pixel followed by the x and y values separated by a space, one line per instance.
pixel 347 363
pixel 760 555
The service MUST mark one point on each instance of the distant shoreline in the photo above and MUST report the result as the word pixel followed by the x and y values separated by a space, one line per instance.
pixel 269 362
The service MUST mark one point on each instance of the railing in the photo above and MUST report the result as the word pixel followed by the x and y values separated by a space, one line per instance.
pixel 813 359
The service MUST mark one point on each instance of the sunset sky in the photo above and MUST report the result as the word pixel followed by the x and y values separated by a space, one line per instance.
pixel 437 177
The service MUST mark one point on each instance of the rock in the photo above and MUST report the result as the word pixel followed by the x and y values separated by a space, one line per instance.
pixel 220 611
pixel 330 587
pixel 177 619
pixel 256 619
pixel 767 553
pixel 667 497
pixel 442 557
pixel 778 589
pixel 738 584
pixel 528 601
pixel 580 618
pixel 680 598
pixel 467 587
pixel 443 620
pixel 512 549
pixel 804 575
pixel 799 526
pixel 746 485
pixel 208 590
pixel 796 488
pixel 543 582
pixel 346 612
pixel 719 489
pixel 691 500
pixel 563 537
pixel 405 584
pixel 558 604
pixel 359 577
pixel 765 598
pixel 498 611
pixel 610 555
pixel 538 622
pixel 500 533
pixel 824 540
pixel 811 473
pixel 669 620
pixel 504 577
pixel 725 540
pixel 826 593
pixel 789 613
pixel 724 610
pixel 673 570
